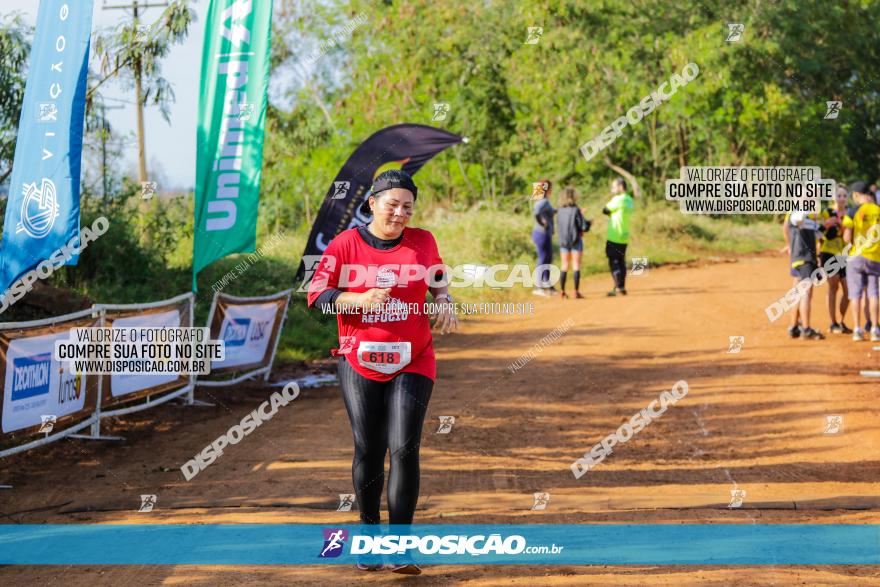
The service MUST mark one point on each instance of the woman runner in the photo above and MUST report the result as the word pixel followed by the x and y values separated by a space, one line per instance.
pixel 386 356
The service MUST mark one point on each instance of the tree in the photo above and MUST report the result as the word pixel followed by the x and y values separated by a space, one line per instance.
pixel 528 107
pixel 136 49
pixel 14 51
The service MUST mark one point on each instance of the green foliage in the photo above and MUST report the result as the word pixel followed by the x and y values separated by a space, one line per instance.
pixel 307 334
pixel 14 50
pixel 528 107
pixel 131 51
pixel 118 266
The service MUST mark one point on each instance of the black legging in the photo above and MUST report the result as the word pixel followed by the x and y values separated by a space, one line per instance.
pixel 385 415
pixel 616 254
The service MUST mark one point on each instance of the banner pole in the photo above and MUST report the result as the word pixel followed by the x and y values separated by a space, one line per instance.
pixel 95 429
pixel 191 396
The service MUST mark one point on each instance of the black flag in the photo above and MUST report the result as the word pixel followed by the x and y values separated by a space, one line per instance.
pixel 402 146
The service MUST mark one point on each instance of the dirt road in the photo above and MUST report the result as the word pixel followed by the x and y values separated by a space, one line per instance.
pixel 753 420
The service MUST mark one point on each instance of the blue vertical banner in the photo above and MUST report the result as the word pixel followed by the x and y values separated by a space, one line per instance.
pixel 42 212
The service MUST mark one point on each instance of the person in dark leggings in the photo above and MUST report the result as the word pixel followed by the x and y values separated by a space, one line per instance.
pixel 616 254
pixel 618 209
pixel 386 354
pixel 385 416
pixel 542 235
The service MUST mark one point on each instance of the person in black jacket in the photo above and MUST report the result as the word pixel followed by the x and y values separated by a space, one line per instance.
pixel 571 226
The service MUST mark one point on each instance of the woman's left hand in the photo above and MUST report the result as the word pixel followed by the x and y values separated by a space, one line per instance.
pixel 444 317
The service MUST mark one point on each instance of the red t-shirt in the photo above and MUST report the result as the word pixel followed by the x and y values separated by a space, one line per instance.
pixel 402 324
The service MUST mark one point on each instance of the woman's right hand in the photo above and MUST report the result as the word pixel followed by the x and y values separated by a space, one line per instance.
pixel 374 296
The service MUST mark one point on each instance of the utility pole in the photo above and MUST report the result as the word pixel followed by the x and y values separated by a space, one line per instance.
pixel 136 7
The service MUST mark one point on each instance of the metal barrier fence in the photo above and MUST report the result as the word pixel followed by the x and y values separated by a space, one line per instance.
pixel 105 396
pixel 222 315
pixel 33 360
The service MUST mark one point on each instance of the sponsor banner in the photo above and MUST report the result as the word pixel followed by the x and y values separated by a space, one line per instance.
pixel 402 146
pixel 249 331
pixel 123 388
pixel 42 211
pixel 232 118
pixel 442 544
pixel 36 387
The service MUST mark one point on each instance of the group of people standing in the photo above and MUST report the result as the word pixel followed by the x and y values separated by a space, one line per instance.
pixel 812 239
pixel 570 226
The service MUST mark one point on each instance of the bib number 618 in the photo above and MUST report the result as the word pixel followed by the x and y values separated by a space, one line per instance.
pixel 383 357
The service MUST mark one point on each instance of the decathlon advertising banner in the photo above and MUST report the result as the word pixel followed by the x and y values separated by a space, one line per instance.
pixel 402 146
pixel 35 385
pixel 248 331
pixel 232 116
pixel 42 212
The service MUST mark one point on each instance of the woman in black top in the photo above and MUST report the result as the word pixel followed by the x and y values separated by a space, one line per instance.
pixel 571 226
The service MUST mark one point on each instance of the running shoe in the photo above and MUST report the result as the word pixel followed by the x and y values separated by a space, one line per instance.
pixel 844 329
pixel 794 331
pixel 868 326
pixel 875 334
pixel 539 292
pixel 409 569
pixel 578 295
pixel 858 335
pixel 812 334
pixel 622 292
pixel 612 293
pixel 835 328
pixel 563 295
pixel 369 567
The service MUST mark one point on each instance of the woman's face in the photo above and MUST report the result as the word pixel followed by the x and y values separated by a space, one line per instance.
pixel 841 200
pixel 392 211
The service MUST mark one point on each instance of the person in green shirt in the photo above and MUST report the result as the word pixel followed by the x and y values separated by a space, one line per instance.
pixel 618 209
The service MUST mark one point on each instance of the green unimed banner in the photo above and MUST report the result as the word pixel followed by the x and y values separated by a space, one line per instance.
pixel 232 116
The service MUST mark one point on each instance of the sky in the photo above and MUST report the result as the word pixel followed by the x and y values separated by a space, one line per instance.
pixel 171 146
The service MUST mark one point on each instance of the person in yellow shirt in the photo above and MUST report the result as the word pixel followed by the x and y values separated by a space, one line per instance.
pixel 862 229
pixel 830 246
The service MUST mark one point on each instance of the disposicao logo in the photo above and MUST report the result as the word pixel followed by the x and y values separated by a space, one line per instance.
pixel 334 541
pixel 236 332
pixel 30 376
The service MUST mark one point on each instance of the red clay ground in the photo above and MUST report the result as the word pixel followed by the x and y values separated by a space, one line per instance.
pixel 752 421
